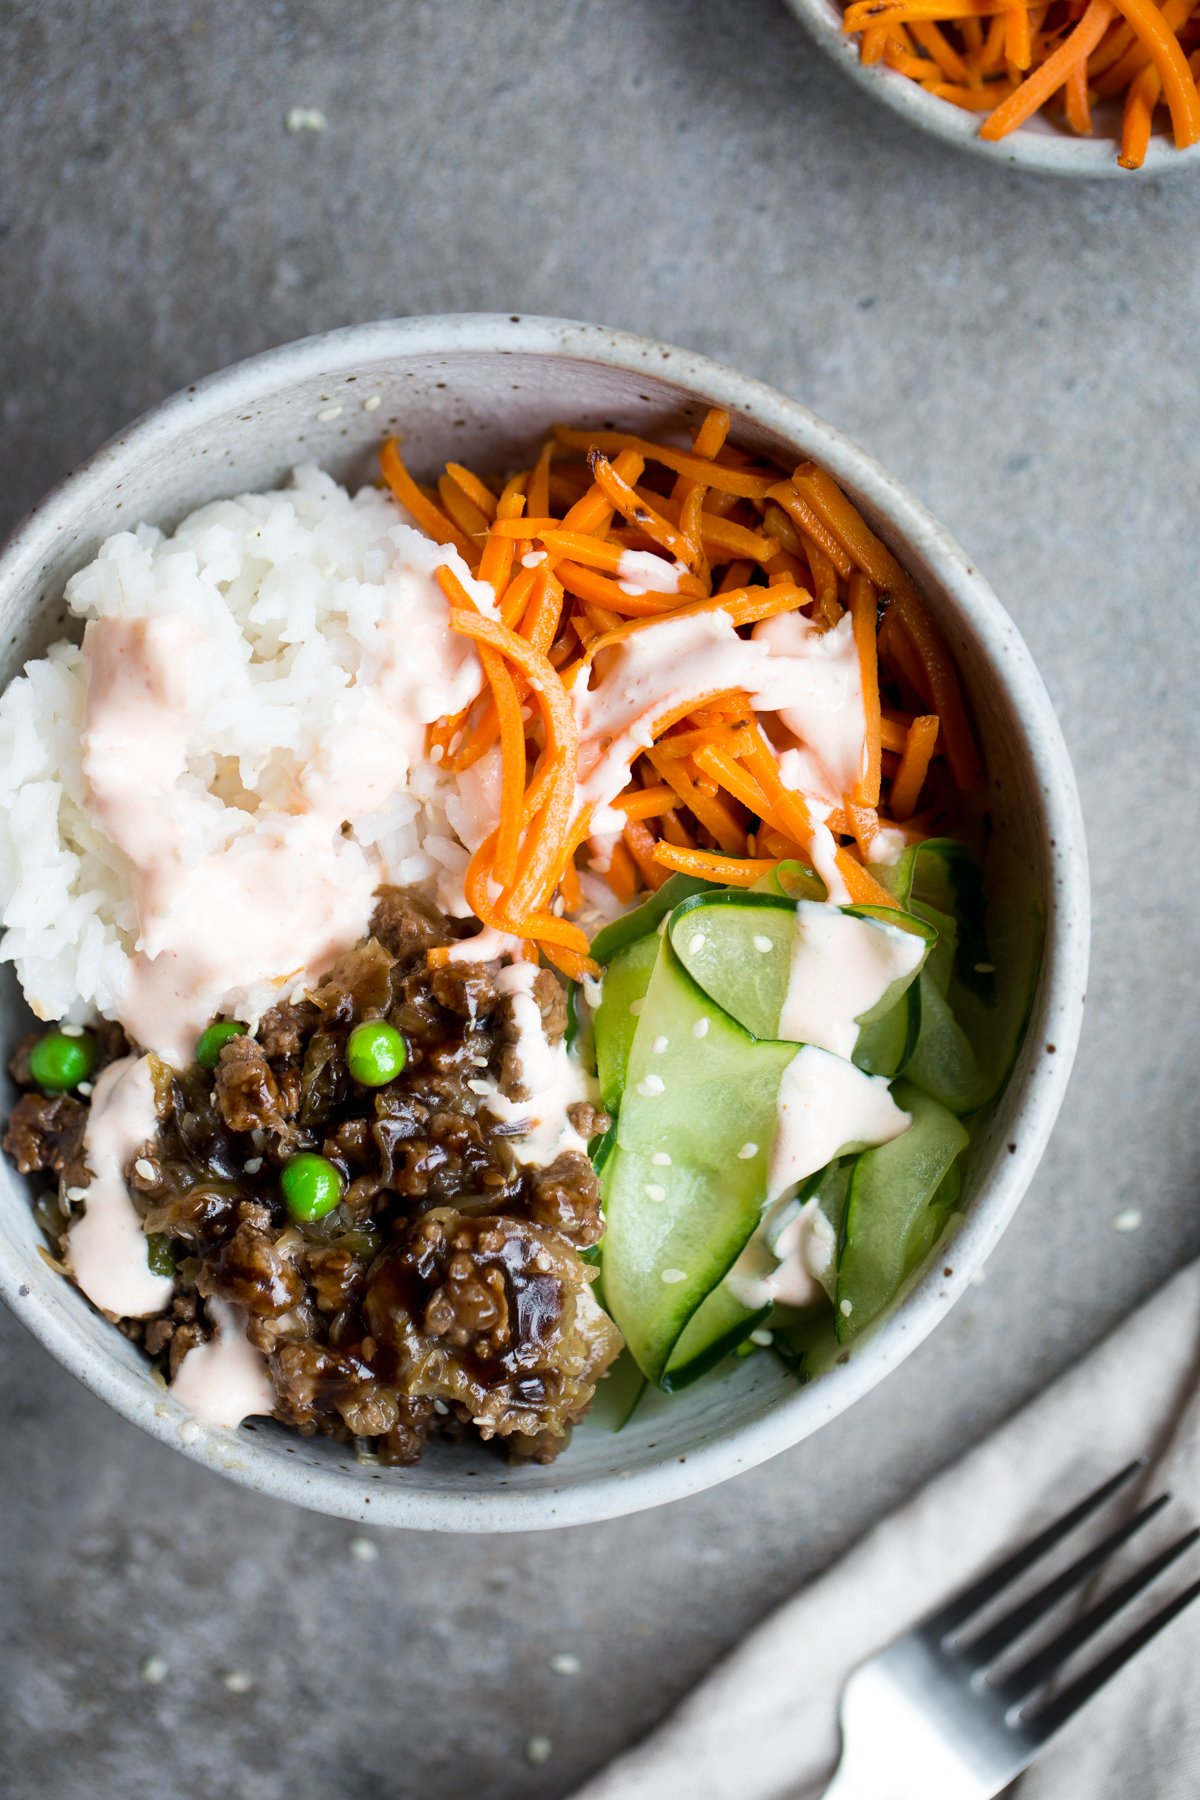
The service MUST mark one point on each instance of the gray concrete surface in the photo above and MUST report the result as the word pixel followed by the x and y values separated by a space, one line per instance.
pixel 1022 354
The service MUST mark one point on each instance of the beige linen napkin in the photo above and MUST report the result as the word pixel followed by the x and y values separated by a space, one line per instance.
pixel 763 1725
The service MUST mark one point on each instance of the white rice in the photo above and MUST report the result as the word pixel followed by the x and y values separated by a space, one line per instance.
pixel 288 587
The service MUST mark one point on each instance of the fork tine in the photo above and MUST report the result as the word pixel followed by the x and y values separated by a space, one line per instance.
pixel 965 1605
pixel 1040 1667
pixel 1014 1624
pixel 1045 1723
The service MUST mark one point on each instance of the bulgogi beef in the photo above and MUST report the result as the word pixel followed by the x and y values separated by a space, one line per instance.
pixel 446 1292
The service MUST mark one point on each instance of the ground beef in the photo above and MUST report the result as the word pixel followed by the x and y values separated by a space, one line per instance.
pixel 45 1132
pixel 407 924
pixel 566 1196
pixel 446 1294
pixel 248 1096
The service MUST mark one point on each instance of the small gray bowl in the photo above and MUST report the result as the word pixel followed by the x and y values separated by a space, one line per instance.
pixel 482 389
pixel 1041 146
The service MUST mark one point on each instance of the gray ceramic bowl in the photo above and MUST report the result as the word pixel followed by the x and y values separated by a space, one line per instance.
pixel 1041 146
pixel 482 389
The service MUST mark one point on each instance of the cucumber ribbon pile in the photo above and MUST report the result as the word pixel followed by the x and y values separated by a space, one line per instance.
pixel 695 1045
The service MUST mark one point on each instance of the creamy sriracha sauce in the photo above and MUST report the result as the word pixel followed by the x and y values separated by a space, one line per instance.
pixel 226 1379
pixel 809 677
pixel 107 1246
pixel 826 1105
pixel 840 967
pixel 553 1078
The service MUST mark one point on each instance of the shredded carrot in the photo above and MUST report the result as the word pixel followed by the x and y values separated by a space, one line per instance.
pixel 877 562
pixel 702 789
pixel 631 505
pixel 734 871
pixel 711 433
pixel 642 846
pixel 539 480
pixel 464 513
pixel 1018 68
pixel 429 517
pixel 711 811
pixel 1075 91
pixel 647 803
pixel 495 564
pixel 914 765
pixel 476 491
pixel 1178 83
pixel 713 474
pixel 1142 98
pixel 1033 93
pixel 622 874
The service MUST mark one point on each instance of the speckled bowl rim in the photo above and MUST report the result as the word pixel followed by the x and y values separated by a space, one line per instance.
pixel 250 1462
pixel 1040 148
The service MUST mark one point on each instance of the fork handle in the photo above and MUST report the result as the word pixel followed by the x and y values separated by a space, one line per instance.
pixel 875 1777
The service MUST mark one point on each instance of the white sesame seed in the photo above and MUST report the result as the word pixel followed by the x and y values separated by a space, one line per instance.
pixel 652 1086
pixel 76 1194
pixel 439 1406
pixel 846 1307
pixel 635 1008
pixel 305 118
pixel 593 991
pixel 154 1669
pixel 363 1550
pixel 985 968
pixel 762 1337
pixel 654 1191
pixel 480 1062
pixel 478 1087
pixel 71 1030
pixel 661 1160
pixel 747 1151
pixel 145 1168
pixel 696 942
pixel 660 1044
pixel 763 943
pixel 85 1088
pixel 566 1664
pixel 700 1028
pixel 671 1276
pixel 533 559
pixel 437 753
pixel 252 1165
pixel 1129 1220
pixel 237 1681
pixel 538 1749
pixel 372 403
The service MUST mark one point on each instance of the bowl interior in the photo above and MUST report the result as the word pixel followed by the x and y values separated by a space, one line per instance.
pixel 485 401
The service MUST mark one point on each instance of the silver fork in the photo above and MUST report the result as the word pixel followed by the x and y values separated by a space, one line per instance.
pixel 924 1719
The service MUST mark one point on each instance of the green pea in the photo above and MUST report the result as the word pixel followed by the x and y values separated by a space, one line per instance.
pixel 375 1053
pixel 61 1060
pixel 159 1253
pixel 213 1039
pixel 311 1186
